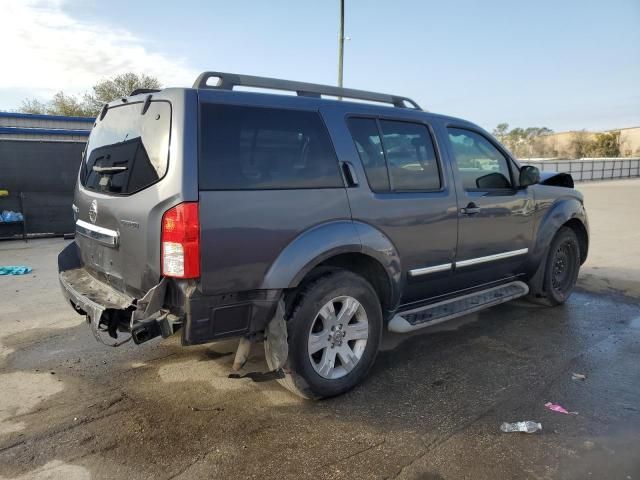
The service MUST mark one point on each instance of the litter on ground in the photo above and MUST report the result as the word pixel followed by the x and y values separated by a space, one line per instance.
pixel 558 408
pixel 525 427
pixel 14 270
pixel 9 216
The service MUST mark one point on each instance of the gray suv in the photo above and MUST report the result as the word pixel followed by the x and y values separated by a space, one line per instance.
pixel 309 223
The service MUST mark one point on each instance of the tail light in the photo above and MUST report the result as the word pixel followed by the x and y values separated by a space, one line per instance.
pixel 181 241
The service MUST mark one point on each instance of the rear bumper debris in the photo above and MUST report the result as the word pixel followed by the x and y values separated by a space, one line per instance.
pixel 170 306
pixel 112 313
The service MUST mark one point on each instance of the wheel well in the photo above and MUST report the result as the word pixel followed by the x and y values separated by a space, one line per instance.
pixel 365 266
pixel 583 238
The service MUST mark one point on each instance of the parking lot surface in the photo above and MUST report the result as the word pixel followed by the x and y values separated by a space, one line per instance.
pixel 431 408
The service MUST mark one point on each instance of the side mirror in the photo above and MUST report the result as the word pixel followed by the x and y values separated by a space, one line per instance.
pixel 529 175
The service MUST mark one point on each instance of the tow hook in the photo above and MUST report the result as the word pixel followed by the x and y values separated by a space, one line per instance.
pixel 165 325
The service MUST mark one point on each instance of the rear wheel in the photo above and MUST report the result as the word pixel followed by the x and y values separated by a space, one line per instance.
pixel 562 267
pixel 334 331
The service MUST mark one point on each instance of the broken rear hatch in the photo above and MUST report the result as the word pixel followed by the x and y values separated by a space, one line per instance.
pixel 118 206
pixel 119 188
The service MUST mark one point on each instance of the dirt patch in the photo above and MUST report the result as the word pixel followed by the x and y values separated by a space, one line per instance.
pixel 21 392
pixel 215 373
pixel 54 470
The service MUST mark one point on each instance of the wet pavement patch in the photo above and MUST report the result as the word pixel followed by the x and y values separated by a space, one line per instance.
pixel 433 397
pixel 431 407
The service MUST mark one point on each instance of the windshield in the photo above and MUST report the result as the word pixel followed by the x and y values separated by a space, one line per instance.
pixel 128 151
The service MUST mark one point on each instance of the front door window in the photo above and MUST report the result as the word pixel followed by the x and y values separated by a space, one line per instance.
pixel 481 165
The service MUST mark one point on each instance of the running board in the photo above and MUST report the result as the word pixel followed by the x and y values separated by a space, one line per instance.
pixel 456 307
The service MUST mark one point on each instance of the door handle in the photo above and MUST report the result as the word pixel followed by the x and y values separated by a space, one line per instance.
pixel 350 174
pixel 470 209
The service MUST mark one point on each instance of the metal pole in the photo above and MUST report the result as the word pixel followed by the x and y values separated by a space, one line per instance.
pixel 341 45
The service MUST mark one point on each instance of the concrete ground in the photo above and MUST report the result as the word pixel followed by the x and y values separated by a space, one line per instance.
pixel 431 408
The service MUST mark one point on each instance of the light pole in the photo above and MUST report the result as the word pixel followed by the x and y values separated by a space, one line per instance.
pixel 341 44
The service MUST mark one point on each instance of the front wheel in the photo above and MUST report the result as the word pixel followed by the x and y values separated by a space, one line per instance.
pixel 334 331
pixel 562 267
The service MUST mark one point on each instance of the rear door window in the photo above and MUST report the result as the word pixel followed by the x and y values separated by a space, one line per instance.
pixel 253 148
pixel 397 156
pixel 411 157
pixel 128 151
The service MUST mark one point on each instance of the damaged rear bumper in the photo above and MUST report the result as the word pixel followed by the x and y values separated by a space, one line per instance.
pixel 164 309
pixel 110 312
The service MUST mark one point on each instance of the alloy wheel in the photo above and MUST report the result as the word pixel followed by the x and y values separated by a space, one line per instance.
pixel 338 337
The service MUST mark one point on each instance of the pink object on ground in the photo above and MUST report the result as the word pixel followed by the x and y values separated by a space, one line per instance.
pixel 558 408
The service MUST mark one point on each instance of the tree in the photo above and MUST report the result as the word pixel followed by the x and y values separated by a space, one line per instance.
pixel 535 143
pixel 32 105
pixel 89 106
pixel 525 142
pixel 516 140
pixel 500 132
pixel 67 105
pixel 543 146
pixel 606 144
pixel 581 144
pixel 60 104
pixel 117 87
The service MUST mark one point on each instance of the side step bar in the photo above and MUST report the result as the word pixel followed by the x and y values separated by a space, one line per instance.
pixel 456 307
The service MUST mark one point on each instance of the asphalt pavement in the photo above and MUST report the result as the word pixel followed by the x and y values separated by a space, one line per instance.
pixel 431 408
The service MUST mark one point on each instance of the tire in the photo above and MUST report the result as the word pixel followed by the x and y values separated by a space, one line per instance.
pixel 310 372
pixel 561 267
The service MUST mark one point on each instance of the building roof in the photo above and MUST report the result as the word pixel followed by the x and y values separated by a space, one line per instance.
pixel 26 126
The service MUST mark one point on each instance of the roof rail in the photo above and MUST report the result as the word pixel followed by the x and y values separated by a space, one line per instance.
pixel 226 81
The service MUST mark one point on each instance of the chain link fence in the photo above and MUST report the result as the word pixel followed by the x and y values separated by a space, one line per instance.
pixel 586 169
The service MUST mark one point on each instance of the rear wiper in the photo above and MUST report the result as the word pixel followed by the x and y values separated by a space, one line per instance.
pixel 108 169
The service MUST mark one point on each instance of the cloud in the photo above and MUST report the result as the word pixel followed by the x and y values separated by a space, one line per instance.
pixel 47 50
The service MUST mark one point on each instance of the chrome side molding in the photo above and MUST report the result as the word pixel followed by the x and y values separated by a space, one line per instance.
pixel 491 258
pixel 467 263
pixel 100 234
pixel 426 270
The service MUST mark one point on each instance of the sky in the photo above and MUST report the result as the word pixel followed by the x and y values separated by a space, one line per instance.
pixel 565 65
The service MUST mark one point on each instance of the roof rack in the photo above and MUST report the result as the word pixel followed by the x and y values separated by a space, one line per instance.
pixel 137 91
pixel 226 81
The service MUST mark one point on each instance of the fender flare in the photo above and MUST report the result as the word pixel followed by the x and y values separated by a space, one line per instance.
pixel 562 211
pixel 321 242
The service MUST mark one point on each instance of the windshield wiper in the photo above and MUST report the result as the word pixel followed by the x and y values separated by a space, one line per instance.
pixel 109 169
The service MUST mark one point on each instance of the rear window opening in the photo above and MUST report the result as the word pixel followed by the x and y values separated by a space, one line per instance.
pixel 127 150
